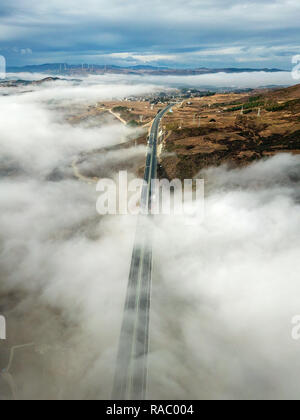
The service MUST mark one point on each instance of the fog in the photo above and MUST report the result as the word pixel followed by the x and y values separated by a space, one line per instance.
pixel 223 80
pixel 63 268
pixel 80 90
pixel 224 291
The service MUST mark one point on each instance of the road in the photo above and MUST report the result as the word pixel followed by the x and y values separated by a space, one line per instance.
pixel 131 370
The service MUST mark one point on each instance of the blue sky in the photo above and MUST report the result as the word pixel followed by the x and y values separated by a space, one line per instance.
pixel 174 33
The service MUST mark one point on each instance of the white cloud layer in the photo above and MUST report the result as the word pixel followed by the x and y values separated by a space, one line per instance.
pixel 225 292
pixel 112 86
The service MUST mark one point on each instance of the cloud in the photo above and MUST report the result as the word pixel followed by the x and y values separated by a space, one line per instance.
pixel 113 86
pixel 225 292
pixel 217 80
pixel 234 80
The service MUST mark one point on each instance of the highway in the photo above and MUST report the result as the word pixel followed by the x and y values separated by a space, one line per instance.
pixel 130 382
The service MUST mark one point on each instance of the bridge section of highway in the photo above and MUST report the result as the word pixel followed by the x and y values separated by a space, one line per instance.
pixel 131 370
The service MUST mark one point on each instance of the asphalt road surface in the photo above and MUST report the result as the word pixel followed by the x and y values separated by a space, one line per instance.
pixel 131 370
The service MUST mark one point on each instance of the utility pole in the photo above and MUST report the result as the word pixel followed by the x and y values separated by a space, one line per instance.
pixel 199 120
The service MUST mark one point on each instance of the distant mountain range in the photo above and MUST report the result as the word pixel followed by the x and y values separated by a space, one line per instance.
pixel 66 69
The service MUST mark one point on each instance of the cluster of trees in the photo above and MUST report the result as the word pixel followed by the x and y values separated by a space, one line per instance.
pixel 247 106
pixel 172 126
pixel 289 105
pixel 270 105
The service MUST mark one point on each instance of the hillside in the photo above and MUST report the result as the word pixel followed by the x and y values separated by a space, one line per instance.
pixel 233 128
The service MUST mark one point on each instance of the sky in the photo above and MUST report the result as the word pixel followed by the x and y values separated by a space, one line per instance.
pixel 177 33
